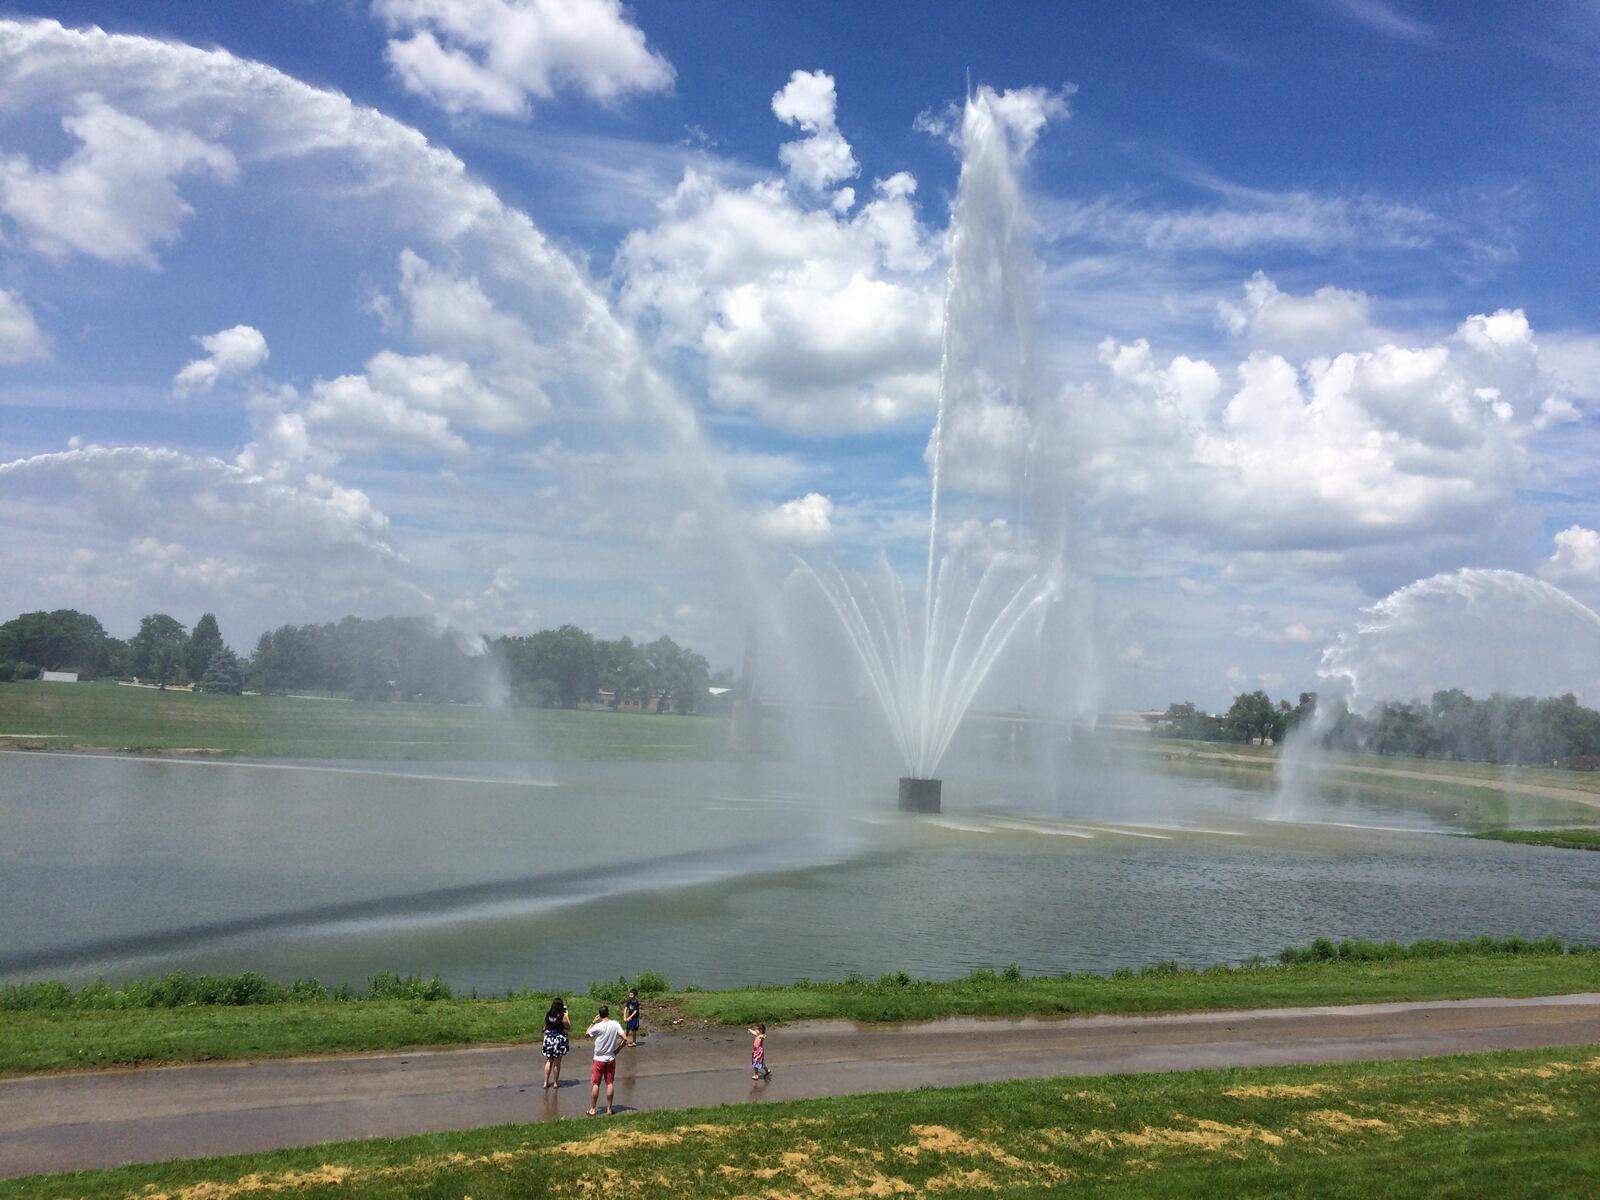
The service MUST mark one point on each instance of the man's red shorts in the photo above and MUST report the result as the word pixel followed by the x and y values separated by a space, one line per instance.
pixel 603 1072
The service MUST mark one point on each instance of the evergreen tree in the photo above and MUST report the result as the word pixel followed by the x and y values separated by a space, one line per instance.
pixel 223 674
pixel 204 643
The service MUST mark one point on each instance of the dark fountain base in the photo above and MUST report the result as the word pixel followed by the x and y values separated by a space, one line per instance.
pixel 919 795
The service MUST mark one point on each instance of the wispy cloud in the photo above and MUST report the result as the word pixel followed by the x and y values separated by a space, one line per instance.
pixel 1384 18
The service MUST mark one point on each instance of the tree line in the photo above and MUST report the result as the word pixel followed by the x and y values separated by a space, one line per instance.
pixel 388 658
pixel 163 651
pixel 1501 729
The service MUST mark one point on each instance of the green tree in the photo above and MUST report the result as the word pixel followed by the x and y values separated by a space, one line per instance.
pixel 679 677
pixel 1184 720
pixel 623 670
pixel 63 640
pixel 565 658
pixel 204 643
pixel 1251 716
pixel 157 651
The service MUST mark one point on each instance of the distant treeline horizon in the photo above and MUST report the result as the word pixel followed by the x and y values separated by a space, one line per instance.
pixel 1500 729
pixel 383 658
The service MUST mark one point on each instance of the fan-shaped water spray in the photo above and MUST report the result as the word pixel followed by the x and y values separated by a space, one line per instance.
pixel 926 657
pixel 1482 632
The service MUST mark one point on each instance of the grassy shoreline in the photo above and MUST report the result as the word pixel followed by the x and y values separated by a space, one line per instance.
pixel 1507 1123
pixel 103 716
pixel 40 1034
pixel 1563 839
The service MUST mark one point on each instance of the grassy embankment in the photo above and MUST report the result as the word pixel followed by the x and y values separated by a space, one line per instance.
pixel 49 1027
pixel 1565 839
pixel 1518 1123
pixel 108 717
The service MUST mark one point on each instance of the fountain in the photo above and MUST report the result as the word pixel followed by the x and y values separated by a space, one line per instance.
pixel 925 662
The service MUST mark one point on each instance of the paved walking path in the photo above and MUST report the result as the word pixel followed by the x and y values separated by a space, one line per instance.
pixel 70 1122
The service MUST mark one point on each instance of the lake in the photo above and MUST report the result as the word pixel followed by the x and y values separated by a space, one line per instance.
pixel 714 874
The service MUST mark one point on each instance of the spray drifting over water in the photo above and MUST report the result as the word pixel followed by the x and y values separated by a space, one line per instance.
pixel 1481 631
pixel 925 662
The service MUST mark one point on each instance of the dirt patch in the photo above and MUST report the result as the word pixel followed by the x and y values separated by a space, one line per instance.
pixel 1212 1137
pixel 245 1185
pixel 963 1181
pixel 941 1139
pixel 1338 1121
pixel 1280 1091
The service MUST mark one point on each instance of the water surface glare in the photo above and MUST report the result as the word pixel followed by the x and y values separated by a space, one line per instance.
pixel 714 874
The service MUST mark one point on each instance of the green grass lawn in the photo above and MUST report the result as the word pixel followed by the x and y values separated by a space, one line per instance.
pixel 1510 1124
pixel 43 1039
pixel 1565 839
pixel 106 716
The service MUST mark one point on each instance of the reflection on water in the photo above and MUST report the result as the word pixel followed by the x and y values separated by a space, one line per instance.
pixel 714 874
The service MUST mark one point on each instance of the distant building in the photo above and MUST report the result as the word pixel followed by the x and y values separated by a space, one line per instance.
pixel 58 677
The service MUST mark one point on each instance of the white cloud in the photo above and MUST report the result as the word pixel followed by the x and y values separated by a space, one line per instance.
pixel 114 197
pixel 809 319
pixel 494 55
pixel 807 521
pixel 447 386
pixel 21 339
pixel 230 352
pixel 1275 320
pixel 169 560
pixel 349 414
pixel 1576 559
pixel 1298 633
pixel 157 492
pixel 1354 448
pixel 822 158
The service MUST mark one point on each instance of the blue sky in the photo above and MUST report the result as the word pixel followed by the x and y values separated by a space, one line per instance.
pixel 491 289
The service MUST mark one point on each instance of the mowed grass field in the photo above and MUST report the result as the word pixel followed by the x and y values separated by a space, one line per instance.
pixel 106 716
pixel 1510 1124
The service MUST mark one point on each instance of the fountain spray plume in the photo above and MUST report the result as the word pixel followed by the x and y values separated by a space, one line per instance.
pixel 925 662
pixel 1473 631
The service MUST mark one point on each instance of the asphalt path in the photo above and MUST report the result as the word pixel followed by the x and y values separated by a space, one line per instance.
pixel 68 1122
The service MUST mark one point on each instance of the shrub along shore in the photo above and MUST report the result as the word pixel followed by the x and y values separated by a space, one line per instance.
pixel 184 1018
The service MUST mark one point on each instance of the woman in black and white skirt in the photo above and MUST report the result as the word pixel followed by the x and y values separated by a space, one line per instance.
pixel 556 1024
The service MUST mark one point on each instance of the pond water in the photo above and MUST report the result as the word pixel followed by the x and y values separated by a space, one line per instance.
pixel 714 874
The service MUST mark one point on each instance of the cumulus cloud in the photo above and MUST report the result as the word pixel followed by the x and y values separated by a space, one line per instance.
pixel 492 56
pixel 115 196
pixel 822 158
pixel 1275 320
pixel 808 319
pixel 182 566
pixel 229 352
pixel 1350 448
pixel 349 414
pixel 1576 559
pixel 21 339
pixel 156 492
pixel 807 521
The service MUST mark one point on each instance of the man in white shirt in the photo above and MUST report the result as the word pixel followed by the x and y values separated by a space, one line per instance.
pixel 608 1039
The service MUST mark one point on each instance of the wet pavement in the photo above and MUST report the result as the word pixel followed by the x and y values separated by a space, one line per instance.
pixel 69 1122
